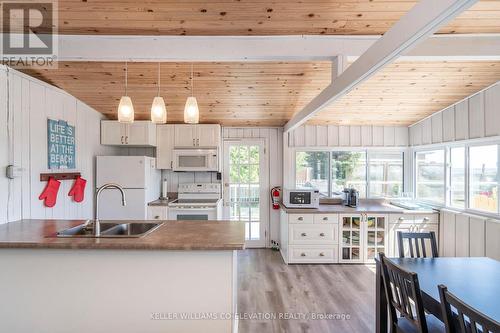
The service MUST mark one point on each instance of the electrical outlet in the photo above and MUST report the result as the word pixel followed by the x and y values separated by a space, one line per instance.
pixel 14 171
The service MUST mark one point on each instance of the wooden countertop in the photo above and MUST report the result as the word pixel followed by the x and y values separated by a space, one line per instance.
pixel 171 235
pixel 369 207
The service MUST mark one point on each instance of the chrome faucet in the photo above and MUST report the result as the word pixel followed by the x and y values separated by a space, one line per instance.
pixel 97 224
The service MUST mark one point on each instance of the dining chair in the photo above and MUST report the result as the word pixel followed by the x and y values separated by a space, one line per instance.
pixel 402 291
pixel 416 244
pixel 464 318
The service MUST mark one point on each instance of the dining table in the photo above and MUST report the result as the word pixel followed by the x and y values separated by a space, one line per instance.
pixel 474 280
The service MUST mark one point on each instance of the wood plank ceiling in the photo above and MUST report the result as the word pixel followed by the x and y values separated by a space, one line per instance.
pixel 269 93
pixel 255 17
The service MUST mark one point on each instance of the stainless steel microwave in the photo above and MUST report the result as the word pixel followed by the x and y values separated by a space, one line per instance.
pixel 301 198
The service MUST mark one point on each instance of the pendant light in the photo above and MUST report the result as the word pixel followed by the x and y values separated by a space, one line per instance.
pixel 191 111
pixel 158 109
pixel 126 108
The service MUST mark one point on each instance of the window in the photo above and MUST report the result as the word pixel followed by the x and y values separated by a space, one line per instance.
pixel 331 172
pixel 348 171
pixel 430 176
pixel 386 174
pixel 483 178
pixel 311 170
pixel 457 177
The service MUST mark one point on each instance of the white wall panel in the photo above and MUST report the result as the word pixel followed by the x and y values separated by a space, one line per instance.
pixel 321 136
pixel 449 124
pixel 344 136
pixel 492 239
pixel 355 136
pixel 309 135
pixel 492 111
pixel 477 237
pixel 31 103
pixel 427 131
pixel 378 136
pixel 448 232
pixel 462 242
pixel 333 135
pixel 437 127
pixel 401 136
pixel 389 136
pixel 462 120
pixel 476 116
pixel 4 151
pixel 366 136
pixel 416 134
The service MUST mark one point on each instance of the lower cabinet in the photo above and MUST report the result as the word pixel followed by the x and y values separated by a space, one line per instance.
pixel 157 213
pixel 309 238
pixel 362 237
pixel 411 223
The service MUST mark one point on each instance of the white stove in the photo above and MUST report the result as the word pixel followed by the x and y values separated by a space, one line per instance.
pixel 197 201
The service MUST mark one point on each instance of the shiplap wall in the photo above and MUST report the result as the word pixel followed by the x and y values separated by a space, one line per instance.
pixel 464 235
pixel 26 103
pixel 477 116
pixel 274 141
pixel 348 136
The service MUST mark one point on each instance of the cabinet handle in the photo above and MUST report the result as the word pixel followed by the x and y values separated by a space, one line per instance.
pixel 426 219
pixel 321 254
pixel 303 234
pixel 401 219
pixel 122 139
pixel 322 234
pixel 300 219
pixel 157 217
pixel 198 142
pixel 194 142
pixel 171 164
pixel 418 228
pixel 126 140
pixel 302 254
pixel 325 218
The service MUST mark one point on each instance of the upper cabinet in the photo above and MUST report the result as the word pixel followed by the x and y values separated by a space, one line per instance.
pixel 165 147
pixel 197 136
pixel 138 133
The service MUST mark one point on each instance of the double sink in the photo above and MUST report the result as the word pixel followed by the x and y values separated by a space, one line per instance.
pixel 110 230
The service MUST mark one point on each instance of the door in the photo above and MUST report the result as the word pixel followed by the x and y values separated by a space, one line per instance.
pixel 185 136
pixel 112 133
pixel 375 236
pixel 208 136
pixel 246 197
pixel 351 238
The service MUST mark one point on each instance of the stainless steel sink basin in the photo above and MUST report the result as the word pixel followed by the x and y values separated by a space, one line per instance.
pixel 110 230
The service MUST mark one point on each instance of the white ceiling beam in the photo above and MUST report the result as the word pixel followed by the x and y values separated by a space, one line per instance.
pixel 265 48
pixel 419 23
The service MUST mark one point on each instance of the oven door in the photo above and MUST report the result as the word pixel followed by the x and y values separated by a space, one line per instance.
pixel 192 214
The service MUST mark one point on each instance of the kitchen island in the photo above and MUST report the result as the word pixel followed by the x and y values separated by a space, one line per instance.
pixel 179 278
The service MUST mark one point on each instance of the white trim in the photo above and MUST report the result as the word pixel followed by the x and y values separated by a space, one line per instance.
pixel 416 25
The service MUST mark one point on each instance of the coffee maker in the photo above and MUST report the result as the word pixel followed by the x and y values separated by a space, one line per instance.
pixel 351 197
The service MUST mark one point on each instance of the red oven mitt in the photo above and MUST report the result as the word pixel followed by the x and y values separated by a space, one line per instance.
pixel 78 189
pixel 50 192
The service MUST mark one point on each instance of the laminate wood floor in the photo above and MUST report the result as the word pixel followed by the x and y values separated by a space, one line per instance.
pixel 267 287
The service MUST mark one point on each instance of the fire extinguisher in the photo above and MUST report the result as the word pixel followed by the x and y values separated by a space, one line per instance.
pixel 275 197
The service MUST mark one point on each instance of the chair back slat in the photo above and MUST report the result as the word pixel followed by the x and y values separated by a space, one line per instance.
pixel 469 319
pixel 416 244
pixel 403 295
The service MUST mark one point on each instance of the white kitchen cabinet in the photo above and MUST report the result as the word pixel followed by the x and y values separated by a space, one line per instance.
pixel 309 238
pixel 165 145
pixel 137 134
pixel 362 237
pixel 410 223
pixel 197 136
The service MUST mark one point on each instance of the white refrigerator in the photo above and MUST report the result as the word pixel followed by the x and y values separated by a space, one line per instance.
pixel 139 178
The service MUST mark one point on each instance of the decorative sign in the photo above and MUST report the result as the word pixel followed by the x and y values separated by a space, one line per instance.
pixel 60 144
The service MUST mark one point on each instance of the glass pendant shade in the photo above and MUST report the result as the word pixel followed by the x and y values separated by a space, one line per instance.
pixel 158 111
pixel 191 111
pixel 125 110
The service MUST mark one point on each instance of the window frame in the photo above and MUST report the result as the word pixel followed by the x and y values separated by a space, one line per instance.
pixel 445 173
pixel 367 151
pixel 467 144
